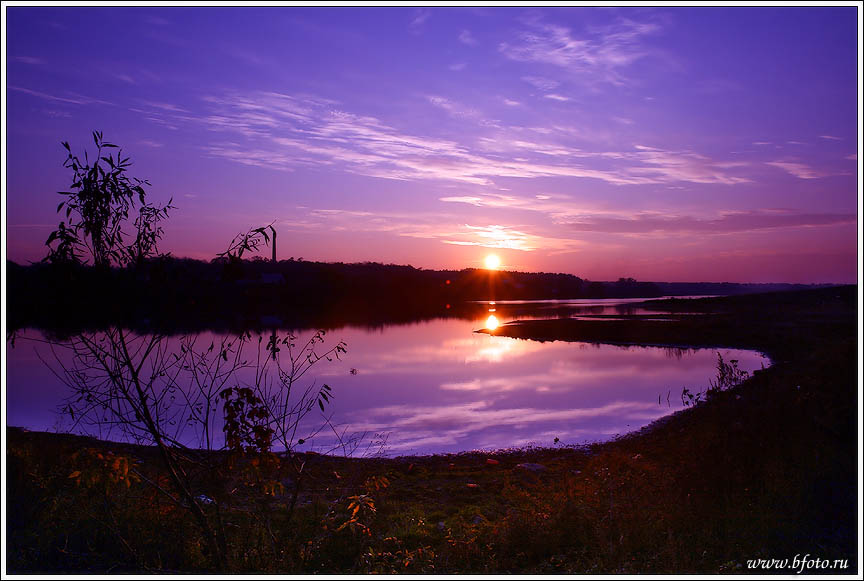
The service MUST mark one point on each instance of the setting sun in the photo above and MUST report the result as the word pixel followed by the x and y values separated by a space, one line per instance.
pixel 492 322
pixel 492 262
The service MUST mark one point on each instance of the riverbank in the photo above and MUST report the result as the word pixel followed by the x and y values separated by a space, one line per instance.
pixel 765 470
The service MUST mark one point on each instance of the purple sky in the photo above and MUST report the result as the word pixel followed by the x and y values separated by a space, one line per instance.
pixel 689 144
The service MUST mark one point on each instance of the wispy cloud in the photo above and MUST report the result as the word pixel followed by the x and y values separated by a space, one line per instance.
pixel 454 109
pixel 556 97
pixel 287 131
pixel 465 37
pixel 541 83
pixel 419 19
pixel 831 137
pixel 253 157
pixel 136 77
pixel 725 223
pixel 799 170
pixel 496 236
pixel 72 99
pixel 154 20
pixel 686 166
pixel 600 55
pixel 28 60
pixel 577 217
pixel 445 228
pixel 559 209
pixel 166 106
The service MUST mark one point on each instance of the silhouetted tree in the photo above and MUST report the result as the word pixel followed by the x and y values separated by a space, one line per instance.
pixel 100 203
pixel 151 390
pixel 154 391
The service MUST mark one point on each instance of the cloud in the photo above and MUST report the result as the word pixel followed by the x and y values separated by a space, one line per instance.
pixel 556 97
pixel 496 236
pixel 455 110
pixel 799 170
pixel 165 106
pixel 28 60
pixel 443 227
pixel 726 223
pixel 831 137
pixel 419 19
pixel 457 66
pixel 286 131
pixel 600 57
pixel 558 209
pixel 157 20
pixel 253 157
pixel 72 99
pixel 541 83
pixel 685 166
pixel 465 37
pixel 510 102
pixel 576 217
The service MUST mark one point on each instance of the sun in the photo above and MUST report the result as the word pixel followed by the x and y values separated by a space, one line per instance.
pixel 492 262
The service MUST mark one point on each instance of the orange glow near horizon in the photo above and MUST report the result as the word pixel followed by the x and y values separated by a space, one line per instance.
pixel 492 262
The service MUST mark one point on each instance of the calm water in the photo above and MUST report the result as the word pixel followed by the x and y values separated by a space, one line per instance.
pixel 436 386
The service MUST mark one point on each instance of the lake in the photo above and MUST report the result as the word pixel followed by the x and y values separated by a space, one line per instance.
pixel 436 386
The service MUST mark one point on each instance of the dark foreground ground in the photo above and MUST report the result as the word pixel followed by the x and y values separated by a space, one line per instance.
pixel 756 476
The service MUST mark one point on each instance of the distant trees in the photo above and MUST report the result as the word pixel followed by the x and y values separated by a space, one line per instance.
pixel 108 218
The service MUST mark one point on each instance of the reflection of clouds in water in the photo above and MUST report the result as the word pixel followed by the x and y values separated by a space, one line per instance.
pixel 498 349
pixel 413 358
pixel 439 387
pixel 457 390
pixel 413 427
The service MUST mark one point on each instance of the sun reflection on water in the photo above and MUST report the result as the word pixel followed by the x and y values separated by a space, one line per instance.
pixel 492 322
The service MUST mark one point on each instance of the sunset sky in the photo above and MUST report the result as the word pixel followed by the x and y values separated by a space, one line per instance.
pixel 677 144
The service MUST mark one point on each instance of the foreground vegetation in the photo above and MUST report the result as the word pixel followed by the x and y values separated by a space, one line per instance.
pixel 764 470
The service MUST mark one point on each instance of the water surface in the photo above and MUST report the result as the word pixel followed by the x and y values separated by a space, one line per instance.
pixel 437 386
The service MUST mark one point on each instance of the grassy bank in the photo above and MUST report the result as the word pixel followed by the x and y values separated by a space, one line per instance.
pixel 767 470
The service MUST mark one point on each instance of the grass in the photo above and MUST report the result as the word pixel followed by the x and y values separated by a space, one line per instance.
pixel 767 469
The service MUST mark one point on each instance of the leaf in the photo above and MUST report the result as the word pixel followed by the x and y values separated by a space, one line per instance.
pixel 75 474
pixel 321 405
